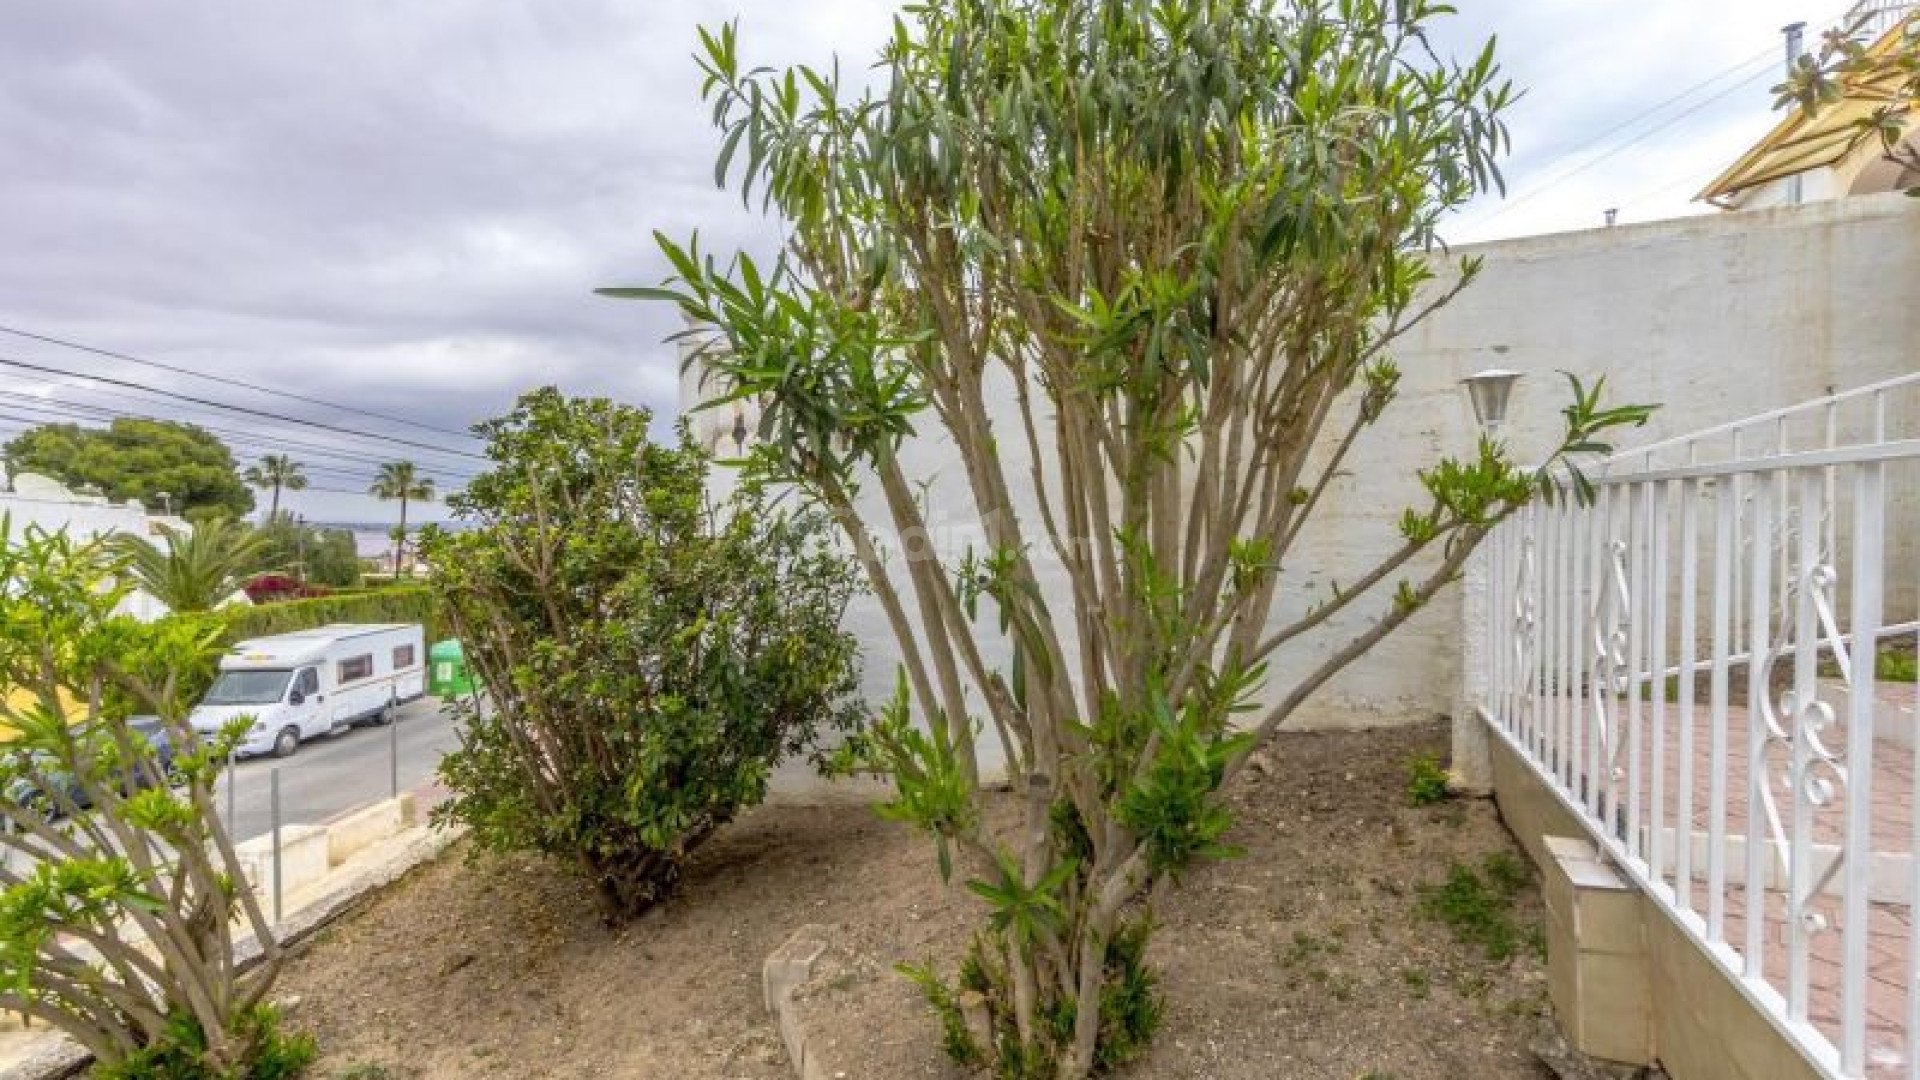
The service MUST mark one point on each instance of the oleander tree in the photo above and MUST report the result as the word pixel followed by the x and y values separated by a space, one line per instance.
pixel 1166 248
pixel 122 898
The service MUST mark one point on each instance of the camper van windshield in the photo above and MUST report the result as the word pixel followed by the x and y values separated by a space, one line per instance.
pixel 248 688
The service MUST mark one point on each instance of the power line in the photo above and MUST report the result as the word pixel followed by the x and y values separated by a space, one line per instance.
pixel 347 462
pixel 1621 148
pixel 225 380
pixel 1597 140
pixel 7 418
pixel 242 409
pixel 187 409
pixel 1561 178
pixel 1692 179
pixel 57 409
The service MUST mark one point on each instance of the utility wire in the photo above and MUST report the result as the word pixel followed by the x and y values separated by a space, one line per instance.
pixel 242 409
pixel 1597 140
pixel 141 405
pixel 57 409
pixel 1692 179
pixel 225 380
pixel 1561 178
pixel 353 466
pixel 24 422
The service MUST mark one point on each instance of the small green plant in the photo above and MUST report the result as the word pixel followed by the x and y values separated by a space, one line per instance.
pixel 1426 780
pixel 263 1051
pixel 1477 904
pixel 956 1039
pixel 1419 984
pixel 1896 665
pixel 1130 1007
pixel 1306 947
pixel 1507 872
pixel 366 1070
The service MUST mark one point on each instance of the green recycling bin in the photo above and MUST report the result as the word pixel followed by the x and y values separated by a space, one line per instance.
pixel 450 675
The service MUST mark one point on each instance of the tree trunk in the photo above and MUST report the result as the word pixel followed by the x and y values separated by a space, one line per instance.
pixel 1090 980
pixel 273 509
pixel 400 541
pixel 628 883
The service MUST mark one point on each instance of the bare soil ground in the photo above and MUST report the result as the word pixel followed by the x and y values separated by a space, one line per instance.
pixel 1309 958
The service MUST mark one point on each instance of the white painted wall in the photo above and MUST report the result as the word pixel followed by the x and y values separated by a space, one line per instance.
pixel 1715 317
pixel 1816 185
pixel 32 500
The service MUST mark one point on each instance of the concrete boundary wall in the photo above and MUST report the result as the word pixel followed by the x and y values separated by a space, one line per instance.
pixel 1704 1027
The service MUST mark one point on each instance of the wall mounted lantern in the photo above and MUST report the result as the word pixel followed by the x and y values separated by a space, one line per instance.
pixel 1489 391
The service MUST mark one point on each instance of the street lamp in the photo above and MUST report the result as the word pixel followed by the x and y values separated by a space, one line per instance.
pixel 1489 391
pixel 300 545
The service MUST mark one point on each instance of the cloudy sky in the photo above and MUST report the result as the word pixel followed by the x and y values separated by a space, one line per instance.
pixel 404 207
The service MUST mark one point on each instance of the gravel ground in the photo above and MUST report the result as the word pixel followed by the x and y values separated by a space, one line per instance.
pixel 1309 958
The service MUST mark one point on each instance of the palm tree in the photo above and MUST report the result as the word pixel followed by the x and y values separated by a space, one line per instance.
pixel 198 568
pixel 276 471
pixel 401 480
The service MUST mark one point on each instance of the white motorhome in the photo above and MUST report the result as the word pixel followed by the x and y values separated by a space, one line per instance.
pixel 315 682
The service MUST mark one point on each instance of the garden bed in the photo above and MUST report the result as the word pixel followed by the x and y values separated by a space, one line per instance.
pixel 1315 956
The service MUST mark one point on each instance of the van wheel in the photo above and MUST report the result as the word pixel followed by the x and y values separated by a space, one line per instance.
pixel 285 743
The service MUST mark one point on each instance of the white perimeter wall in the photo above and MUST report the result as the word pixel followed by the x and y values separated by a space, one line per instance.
pixel 46 505
pixel 1715 317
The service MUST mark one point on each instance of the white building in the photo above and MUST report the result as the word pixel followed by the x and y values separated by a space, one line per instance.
pixel 1812 159
pixel 32 500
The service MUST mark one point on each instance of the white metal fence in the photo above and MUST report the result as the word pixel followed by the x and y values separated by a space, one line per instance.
pixel 1713 663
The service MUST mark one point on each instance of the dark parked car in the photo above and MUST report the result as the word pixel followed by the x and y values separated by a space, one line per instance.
pixel 147 727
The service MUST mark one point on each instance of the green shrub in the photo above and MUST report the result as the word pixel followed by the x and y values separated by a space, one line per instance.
pixel 1426 780
pixel 118 910
pixel 400 604
pixel 266 1053
pixel 648 658
pixel 1896 665
pixel 321 556
pixel 1477 904
pixel 1131 1007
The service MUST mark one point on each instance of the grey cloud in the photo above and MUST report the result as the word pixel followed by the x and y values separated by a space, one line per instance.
pixel 407 206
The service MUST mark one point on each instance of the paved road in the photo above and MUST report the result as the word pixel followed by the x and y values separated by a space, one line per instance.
pixel 332 775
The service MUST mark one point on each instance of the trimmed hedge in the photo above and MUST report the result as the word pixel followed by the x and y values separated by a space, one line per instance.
pixel 404 604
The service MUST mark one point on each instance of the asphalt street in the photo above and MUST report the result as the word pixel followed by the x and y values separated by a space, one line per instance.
pixel 332 775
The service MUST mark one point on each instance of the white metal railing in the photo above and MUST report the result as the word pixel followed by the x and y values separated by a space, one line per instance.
pixel 1711 664
pixel 1879 16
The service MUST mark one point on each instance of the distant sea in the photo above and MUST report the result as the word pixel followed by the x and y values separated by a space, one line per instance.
pixel 374 539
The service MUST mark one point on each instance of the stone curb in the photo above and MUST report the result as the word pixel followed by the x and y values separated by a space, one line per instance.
pixel 785 971
pixel 60 1058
